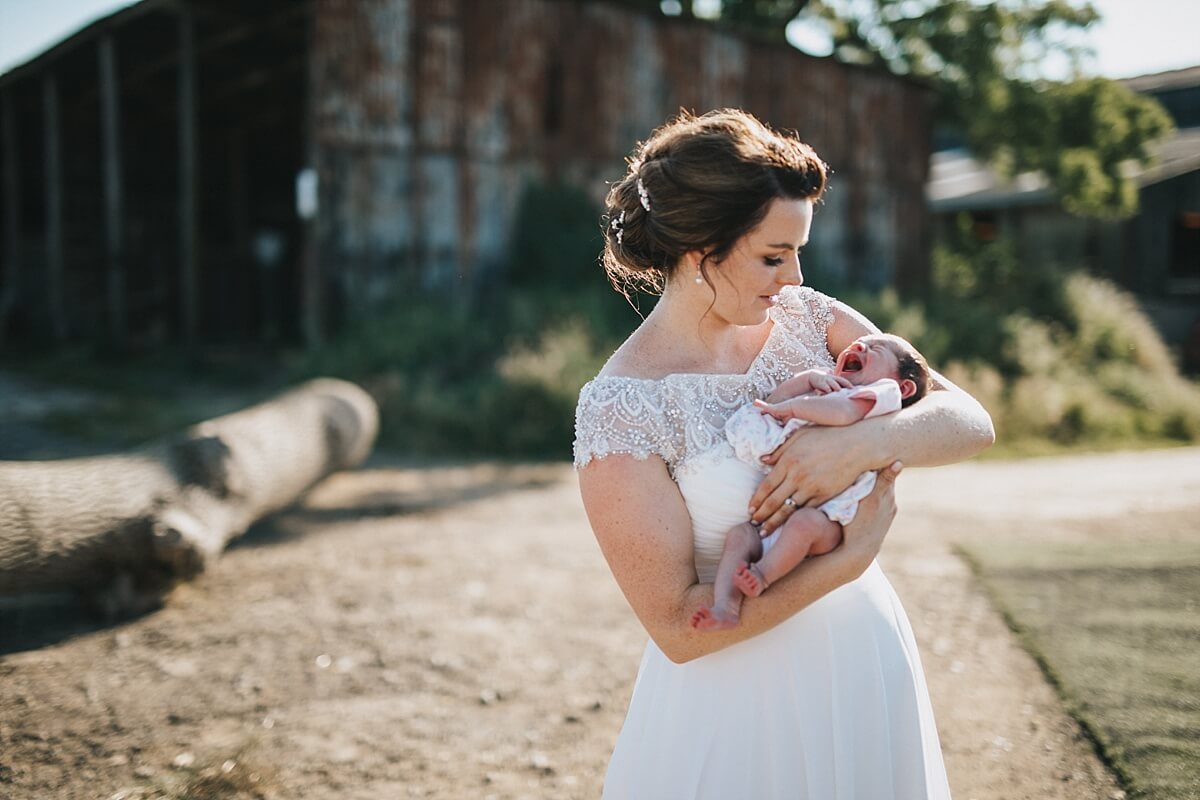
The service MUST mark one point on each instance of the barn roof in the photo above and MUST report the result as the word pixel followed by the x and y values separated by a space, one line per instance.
pixel 85 34
pixel 1161 81
pixel 960 182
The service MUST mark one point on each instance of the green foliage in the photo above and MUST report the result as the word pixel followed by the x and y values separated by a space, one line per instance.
pixel 1087 130
pixel 556 237
pixel 1060 359
pixel 498 380
pixel 1055 356
pixel 494 377
pixel 984 60
pixel 1112 621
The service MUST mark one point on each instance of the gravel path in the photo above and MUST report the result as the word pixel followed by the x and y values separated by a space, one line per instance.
pixel 454 633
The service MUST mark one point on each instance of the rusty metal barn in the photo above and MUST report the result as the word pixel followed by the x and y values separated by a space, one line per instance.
pixel 223 171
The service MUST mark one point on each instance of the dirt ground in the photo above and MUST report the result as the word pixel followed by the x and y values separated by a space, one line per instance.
pixel 454 633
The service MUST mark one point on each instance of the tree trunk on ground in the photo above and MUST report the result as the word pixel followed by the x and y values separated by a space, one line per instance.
pixel 123 529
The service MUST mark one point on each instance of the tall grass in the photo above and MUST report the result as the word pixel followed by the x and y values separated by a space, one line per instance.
pixel 1060 358
pixel 495 378
pixel 1112 621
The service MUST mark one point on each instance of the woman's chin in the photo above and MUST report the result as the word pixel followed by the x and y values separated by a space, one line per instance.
pixel 752 318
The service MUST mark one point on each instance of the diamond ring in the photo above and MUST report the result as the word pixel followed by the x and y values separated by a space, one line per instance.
pixel 789 502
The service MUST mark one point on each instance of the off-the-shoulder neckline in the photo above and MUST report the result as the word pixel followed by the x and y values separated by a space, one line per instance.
pixel 776 315
pixel 738 375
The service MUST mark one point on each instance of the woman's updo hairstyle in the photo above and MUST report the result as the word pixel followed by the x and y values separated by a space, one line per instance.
pixel 699 183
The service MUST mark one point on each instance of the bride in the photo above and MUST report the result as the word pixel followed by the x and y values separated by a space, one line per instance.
pixel 818 693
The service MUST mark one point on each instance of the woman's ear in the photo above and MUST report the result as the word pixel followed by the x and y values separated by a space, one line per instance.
pixel 908 388
pixel 692 259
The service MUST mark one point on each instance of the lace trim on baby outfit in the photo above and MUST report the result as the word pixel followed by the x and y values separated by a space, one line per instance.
pixel 682 417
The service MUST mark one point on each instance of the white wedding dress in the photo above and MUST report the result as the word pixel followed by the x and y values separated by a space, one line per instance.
pixel 829 705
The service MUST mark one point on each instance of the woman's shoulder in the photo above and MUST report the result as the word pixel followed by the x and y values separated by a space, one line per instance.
pixel 622 411
pixel 618 414
pixel 808 304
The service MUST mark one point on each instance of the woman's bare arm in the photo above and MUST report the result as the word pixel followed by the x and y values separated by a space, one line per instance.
pixel 947 425
pixel 645 533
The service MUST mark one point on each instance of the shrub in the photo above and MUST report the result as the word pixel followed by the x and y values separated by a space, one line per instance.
pixel 1058 358
pixel 1055 356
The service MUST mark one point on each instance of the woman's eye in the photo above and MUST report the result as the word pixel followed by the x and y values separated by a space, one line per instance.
pixel 773 262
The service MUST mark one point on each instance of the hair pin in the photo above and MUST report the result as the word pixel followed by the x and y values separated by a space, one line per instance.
pixel 618 225
pixel 643 194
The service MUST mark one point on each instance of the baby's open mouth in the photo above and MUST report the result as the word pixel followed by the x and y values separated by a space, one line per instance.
pixel 852 363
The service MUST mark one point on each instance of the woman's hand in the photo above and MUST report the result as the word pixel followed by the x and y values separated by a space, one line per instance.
pixel 865 533
pixel 813 465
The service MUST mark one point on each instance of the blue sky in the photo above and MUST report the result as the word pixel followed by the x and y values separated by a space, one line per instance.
pixel 1135 36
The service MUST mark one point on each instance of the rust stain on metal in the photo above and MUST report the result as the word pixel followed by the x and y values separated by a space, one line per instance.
pixel 483 97
pixel 427 118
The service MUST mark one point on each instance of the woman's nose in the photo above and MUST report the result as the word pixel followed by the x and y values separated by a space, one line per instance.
pixel 792 276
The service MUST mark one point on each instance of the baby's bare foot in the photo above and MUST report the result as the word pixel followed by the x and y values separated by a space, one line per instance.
pixel 750 580
pixel 707 620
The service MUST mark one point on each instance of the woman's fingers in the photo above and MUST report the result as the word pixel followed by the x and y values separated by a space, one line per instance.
pixel 765 487
pixel 875 513
pixel 775 508
pixel 772 458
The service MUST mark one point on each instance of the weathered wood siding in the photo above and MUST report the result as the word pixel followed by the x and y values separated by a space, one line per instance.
pixel 432 115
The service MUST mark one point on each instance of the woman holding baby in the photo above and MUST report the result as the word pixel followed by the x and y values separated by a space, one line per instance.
pixel 813 687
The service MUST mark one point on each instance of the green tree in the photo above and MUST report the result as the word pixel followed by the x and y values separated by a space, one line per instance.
pixel 985 61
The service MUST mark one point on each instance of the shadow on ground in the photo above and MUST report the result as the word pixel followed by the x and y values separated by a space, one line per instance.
pixel 389 488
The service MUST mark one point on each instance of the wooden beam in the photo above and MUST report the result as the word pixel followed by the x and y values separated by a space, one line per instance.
pixel 311 285
pixel 189 240
pixel 54 208
pixel 101 27
pixel 143 73
pixel 110 135
pixel 9 159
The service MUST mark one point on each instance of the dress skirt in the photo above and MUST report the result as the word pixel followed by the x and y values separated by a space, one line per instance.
pixel 829 705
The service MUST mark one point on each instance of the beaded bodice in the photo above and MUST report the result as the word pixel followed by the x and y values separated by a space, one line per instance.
pixel 681 417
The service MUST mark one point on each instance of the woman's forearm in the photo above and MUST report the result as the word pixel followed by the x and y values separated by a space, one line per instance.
pixel 945 427
pixel 801 587
pixel 807 583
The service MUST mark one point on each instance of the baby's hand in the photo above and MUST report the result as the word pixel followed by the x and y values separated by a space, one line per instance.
pixel 781 411
pixel 826 382
pixel 798 384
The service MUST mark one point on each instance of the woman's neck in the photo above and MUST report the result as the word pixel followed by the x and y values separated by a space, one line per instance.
pixel 684 321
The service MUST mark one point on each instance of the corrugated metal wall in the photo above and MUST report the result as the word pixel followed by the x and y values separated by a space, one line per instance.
pixel 431 116
pixel 425 121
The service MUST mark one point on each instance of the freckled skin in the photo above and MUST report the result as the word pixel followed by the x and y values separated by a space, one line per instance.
pixel 636 510
pixel 744 570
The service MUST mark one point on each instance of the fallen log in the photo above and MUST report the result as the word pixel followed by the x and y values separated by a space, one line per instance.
pixel 122 530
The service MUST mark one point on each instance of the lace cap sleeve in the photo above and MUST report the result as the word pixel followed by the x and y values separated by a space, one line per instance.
pixel 811 305
pixel 621 416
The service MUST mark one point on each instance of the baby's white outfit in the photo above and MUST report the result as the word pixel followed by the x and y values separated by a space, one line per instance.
pixel 753 434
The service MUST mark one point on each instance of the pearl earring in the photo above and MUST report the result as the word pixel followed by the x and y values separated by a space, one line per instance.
pixel 699 277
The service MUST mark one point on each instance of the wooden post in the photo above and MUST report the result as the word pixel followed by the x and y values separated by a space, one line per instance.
pixel 12 210
pixel 188 234
pixel 54 208
pixel 311 294
pixel 113 199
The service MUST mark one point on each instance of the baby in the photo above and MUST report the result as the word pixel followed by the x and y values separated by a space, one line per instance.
pixel 877 374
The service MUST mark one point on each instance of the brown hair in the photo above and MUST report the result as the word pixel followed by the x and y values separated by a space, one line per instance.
pixel 708 180
pixel 911 366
